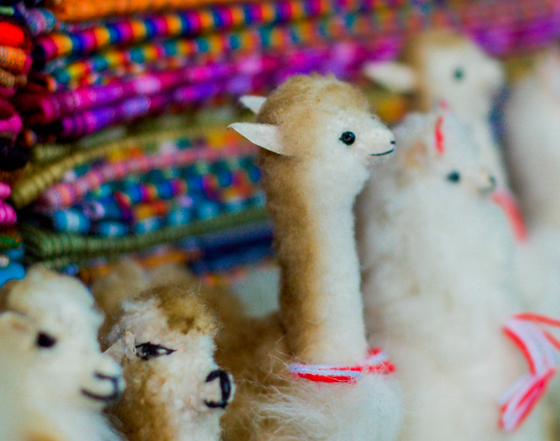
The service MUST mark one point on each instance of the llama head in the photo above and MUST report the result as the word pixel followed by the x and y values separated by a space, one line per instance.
pixel 439 65
pixel 164 340
pixel 63 358
pixel 437 146
pixel 315 118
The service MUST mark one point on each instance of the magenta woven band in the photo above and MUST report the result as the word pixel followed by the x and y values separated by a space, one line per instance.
pixel 10 121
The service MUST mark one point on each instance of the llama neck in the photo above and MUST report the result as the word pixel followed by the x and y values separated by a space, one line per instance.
pixel 320 303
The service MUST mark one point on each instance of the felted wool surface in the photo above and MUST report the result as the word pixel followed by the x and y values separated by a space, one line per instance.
pixel 428 216
pixel 168 392
pixel 61 359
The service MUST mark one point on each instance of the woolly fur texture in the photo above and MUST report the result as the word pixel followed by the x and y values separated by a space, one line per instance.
pixel 438 283
pixel 50 351
pixel 311 178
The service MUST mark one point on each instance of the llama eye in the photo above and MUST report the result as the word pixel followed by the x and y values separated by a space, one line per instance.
pixel 348 138
pixel 44 340
pixel 454 177
pixel 148 350
pixel 459 74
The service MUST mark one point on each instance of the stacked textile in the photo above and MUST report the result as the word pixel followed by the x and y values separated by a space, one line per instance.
pixel 15 63
pixel 101 66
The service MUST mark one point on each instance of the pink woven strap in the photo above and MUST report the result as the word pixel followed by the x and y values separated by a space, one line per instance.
pixel 7 214
pixel 540 350
pixel 377 361
pixel 508 204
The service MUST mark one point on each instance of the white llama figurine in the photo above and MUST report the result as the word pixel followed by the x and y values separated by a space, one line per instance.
pixel 439 65
pixel 63 380
pixel 532 117
pixel 437 283
pixel 319 138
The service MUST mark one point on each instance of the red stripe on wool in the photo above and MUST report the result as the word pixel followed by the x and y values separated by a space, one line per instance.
pixel 523 349
pixel 508 204
pixel 440 147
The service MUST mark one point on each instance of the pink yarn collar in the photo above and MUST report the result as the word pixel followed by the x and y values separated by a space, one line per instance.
pixel 540 350
pixel 505 200
pixel 376 361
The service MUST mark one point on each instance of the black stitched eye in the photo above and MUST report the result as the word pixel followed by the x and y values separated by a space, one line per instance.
pixel 148 350
pixel 454 177
pixel 44 340
pixel 348 138
pixel 459 74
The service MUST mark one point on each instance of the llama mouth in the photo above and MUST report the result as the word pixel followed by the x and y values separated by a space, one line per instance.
pixel 383 154
pixel 113 396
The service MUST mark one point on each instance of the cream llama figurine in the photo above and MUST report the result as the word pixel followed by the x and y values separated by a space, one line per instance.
pixel 63 380
pixel 438 287
pixel 319 138
pixel 532 116
pixel 164 339
pixel 439 65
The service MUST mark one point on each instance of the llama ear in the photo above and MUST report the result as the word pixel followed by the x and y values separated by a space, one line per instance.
pixel 14 321
pixel 252 102
pixel 263 135
pixel 397 77
pixel 124 346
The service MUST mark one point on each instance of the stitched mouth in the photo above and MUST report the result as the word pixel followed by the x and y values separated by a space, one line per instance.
pixel 104 398
pixel 383 154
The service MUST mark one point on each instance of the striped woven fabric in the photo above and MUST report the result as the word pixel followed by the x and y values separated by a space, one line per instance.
pixel 45 245
pixel 190 22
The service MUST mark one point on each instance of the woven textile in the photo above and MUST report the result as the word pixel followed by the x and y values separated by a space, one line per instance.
pixel 46 245
pixel 192 22
pixel 39 20
pixel 14 60
pixel 30 187
pixel 9 238
pixel 46 108
pixel 68 193
pixel 77 10
pixel 14 33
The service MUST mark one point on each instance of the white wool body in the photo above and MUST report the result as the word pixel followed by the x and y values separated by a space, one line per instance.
pixel 532 122
pixel 65 381
pixel 371 409
pixel 437 281
pixel 532 116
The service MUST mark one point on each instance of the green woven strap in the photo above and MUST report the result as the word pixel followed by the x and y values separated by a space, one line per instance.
pixel 62 249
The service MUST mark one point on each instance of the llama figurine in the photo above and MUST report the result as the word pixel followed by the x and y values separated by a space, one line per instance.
pixel 319 138
pixel 531 114
pixel 164 339
pixel 439 65
pixel 437 283
pixel 60 380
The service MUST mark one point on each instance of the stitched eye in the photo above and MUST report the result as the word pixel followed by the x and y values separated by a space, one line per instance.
pixel 45 340
pixel 148 350
pixel 454 177
pixel 348 138
pixel 459 74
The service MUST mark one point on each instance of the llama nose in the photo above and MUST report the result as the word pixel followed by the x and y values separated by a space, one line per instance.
pixel 117 385
pixel 225 387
